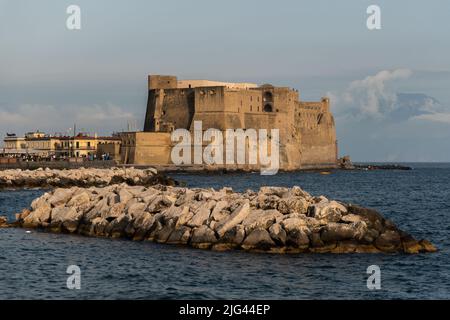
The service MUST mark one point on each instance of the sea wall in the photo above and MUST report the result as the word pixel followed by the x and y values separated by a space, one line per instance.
pixel 13 163
pixel 274 219
pixel 82 177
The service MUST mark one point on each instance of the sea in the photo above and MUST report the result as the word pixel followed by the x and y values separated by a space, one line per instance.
pixel 35 265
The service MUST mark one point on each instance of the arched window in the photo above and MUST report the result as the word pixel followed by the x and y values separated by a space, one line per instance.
pixel 268 97
pixel 268 108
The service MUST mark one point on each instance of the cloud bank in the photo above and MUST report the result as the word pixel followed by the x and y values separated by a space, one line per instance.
pixel 374 97
pixel 52 119
pixel 375 122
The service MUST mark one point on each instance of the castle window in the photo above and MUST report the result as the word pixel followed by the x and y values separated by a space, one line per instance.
pixel 251 108
pixel 268 97
pixel 268 108
pixel 319 118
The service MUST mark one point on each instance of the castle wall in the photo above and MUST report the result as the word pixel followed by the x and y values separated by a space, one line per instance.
pixel 209 107
pixel 143 148
pixel 318 134
pixel 169 109
pixel 162 82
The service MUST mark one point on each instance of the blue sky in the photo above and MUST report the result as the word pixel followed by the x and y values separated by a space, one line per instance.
pixel 389 88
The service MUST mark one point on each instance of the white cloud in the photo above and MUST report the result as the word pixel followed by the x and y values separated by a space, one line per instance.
pixel 374 98
pixel 371 93
pixel 434 117
pixel 369 97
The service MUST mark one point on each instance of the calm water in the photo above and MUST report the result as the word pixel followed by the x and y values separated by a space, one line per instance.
pixel 34 265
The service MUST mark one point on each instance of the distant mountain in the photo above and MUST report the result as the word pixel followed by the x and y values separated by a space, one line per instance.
pixel 408 105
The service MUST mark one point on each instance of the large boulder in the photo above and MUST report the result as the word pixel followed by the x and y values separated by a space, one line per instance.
pixel 234 236
pixel 299 192
pixel 100 209
pixel 333 232
pixel 372 218
pixel 298 238
pixel 61 197
pixel 389 241
pixel 135 209
pixel 65 219
pixel 278 234
pixel 238 215
pixel 160 203
pixel 184 217
pixel 79 199
pixel 3 221
pixel 115 211
pixel 219 212
pixel 99 226
pixel 39 217
pixel 258 239
pixel 260 219
pixel 278 191
pixel 294 223
pixel 427 246
pixel 330 211
pixel 161 232
pixel 180 236
pixel 125 195
pixel 203 237
pixel 202 214
pixel 267 201
pixel 350 218
pixel 140 226
pixel 117 227
pixel 293 204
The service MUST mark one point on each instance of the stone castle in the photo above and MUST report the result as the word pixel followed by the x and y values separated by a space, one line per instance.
pixel 306 129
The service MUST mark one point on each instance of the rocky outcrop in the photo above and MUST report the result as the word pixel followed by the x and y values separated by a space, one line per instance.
pixel 45 178
pixel 3 222
pixel 278 220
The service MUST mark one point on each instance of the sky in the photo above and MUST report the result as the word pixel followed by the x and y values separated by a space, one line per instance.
pixel 389 88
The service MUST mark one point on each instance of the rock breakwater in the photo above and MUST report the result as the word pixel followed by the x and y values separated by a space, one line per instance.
pixel 274 219
pixel 82 177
